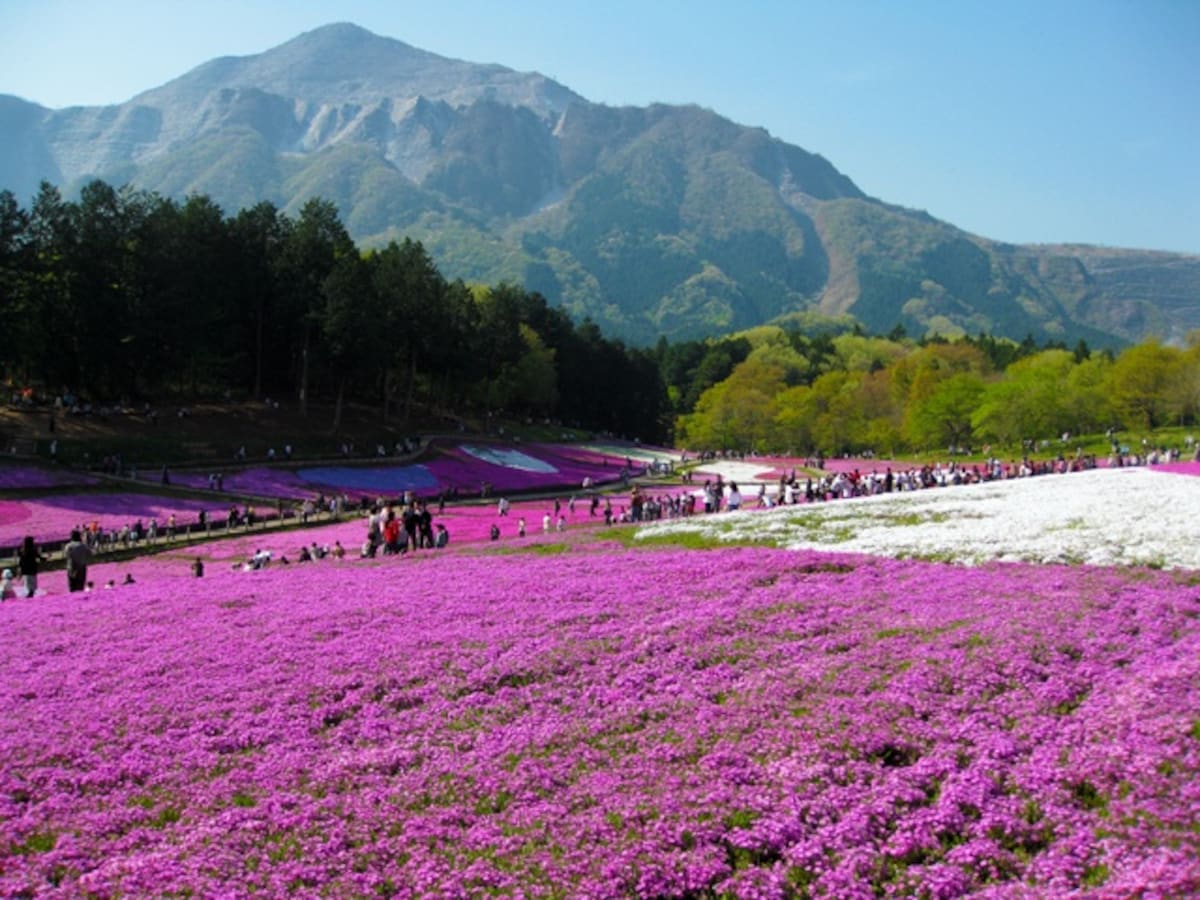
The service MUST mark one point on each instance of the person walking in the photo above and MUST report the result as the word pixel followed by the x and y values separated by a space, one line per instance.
pixel 78 555
pixel 28 560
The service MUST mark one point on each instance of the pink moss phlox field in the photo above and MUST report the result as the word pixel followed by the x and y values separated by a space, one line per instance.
pixel 606 723
pixel 16 476
pixel 444 468
pixel 1180 468
pixel 52 516
pixel 257 481
pixel 562 467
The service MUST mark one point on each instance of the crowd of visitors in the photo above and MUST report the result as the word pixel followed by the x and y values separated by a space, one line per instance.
pixel 410 529
pixel 406 524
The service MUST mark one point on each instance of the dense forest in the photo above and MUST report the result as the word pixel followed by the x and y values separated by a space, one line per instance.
pixel 126 295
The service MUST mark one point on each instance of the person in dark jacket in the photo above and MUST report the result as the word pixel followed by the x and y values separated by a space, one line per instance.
pixel 78 555
pixel 28 560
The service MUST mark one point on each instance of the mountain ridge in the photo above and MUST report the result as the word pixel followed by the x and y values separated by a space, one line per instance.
pixel 657 220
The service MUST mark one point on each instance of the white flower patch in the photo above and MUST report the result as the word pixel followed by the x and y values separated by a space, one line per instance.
pixel 1132 516
pixel 639 453
pixel 509 459
pixel 747 472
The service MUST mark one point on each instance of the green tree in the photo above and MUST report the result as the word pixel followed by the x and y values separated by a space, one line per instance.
pixel 349 323
pixel 839 423
pixel 796 411
pixel 1030 401
pixel 52 315
pixel 738 412
pixel 533 378
pixel 862 353
pixel 1186 391
pixel 943 417
pixel 255 305
pixel 413 294
pixel 1140 384
pixel 15 266
pixel 1087 401
pixel 311 251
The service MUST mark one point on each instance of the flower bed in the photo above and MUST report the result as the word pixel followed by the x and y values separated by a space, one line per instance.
pixel 260 481
pixel 21 477
pixel 1180 468
pixel 465 467
pixel 1102 516
pixel 750 722
pixel 53 517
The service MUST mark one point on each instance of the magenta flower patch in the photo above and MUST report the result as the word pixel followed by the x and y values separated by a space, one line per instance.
pixel 465 468
pixel 743 722
pixel 54 516
pixel 260 481
pixel 1180 468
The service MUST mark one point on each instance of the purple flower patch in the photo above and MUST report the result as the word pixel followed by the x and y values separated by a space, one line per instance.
pixel 390 481
pixel 13 476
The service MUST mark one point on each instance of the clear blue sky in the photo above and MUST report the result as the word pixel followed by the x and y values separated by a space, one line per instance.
pixel 1024 121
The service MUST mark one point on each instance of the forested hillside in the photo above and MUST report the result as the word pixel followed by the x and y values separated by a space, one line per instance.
pixel 650 221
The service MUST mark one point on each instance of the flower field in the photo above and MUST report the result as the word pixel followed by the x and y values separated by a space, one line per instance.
pixel 54 515
pixel 465 467
pixel 1134 515
pixel 563 716
pixel 24 477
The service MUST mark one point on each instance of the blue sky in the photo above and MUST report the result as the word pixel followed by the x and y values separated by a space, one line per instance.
pixel 1051 121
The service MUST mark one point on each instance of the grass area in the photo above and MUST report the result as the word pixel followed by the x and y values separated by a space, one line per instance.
pixel 1099 445
pixel 714 537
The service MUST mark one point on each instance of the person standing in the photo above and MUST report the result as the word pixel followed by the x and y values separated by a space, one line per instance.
pixel 78 555
pixel 28 560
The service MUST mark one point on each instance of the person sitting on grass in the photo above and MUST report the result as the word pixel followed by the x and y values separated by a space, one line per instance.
pixel 259 560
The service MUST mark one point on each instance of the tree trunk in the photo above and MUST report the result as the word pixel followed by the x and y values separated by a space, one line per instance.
pixel 412 388
pixel 304 376
pixel 258 353
pixel 337 406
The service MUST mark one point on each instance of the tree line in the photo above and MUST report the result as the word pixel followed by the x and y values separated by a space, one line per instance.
pixel 779 391
pixel 128 294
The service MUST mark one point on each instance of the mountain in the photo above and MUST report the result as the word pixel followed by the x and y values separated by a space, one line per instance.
pixel 660 220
